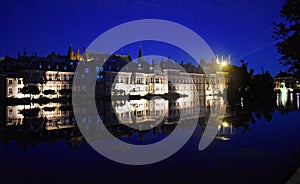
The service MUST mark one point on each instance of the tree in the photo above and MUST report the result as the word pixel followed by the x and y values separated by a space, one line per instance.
pixel 30 89
pixel 287 35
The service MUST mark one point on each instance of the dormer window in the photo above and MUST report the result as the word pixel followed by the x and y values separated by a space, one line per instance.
pixel 65 67
pixel 101 69
pixel 49 66
pixel 41 66
pixel 57 67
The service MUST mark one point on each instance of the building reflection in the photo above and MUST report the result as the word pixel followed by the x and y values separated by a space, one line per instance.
pixel 38 117
pixel 287 102
pixel 123 118
pixel 138 118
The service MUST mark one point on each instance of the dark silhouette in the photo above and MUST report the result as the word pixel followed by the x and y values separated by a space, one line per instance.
pixel 287 35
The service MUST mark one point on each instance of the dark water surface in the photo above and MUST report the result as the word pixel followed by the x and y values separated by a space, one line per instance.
pixel 252 150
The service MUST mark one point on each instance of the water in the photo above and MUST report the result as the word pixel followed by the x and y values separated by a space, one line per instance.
pixel 261 146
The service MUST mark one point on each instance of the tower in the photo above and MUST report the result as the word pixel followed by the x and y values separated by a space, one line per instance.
pixel 70 53
pixel 140 56
pixel 78 55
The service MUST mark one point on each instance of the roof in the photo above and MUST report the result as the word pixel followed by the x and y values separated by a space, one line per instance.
pixel 283 75
pixel 47 64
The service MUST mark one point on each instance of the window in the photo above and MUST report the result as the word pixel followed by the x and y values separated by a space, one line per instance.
pixel 19 81
pixel 100 77
pixel 9 90
pixel 19 90
pixel 156 80
pixel 50 77
pixel 9 81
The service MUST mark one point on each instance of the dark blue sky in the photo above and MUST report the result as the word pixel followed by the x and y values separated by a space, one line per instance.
pixel 242 29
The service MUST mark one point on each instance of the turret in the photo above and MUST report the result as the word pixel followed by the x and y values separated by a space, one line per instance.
pixel 70 53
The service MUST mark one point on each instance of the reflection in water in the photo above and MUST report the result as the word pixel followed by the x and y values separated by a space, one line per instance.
pixel 54 123
pixel 297 100
pixel 283 98
pixel 146 118
pixel 38 118
pixel 285 102
pixel 123 118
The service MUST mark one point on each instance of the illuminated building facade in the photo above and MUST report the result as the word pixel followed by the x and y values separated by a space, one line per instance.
pixel 119 75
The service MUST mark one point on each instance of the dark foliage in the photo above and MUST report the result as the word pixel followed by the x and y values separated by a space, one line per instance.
pixel 287 35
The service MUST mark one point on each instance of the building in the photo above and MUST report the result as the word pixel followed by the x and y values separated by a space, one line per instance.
pixel 285 79
pixel 118 75
pixel 14 85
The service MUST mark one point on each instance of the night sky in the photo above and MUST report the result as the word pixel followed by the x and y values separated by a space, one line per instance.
pixel 242 29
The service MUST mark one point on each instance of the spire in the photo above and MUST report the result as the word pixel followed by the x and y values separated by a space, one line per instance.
pixel 70 52
pixel 78 56
pixel 70 49
pixel 140 51
pixel 140 56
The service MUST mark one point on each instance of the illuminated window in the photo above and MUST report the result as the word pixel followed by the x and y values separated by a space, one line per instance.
pixel 19 81
pixel 10 81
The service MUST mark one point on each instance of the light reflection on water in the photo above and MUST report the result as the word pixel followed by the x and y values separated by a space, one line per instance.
pixel 121 117
pixel 249 148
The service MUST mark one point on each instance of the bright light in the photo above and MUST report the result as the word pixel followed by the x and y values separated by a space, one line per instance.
pixel 223 63
pixel 225 124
